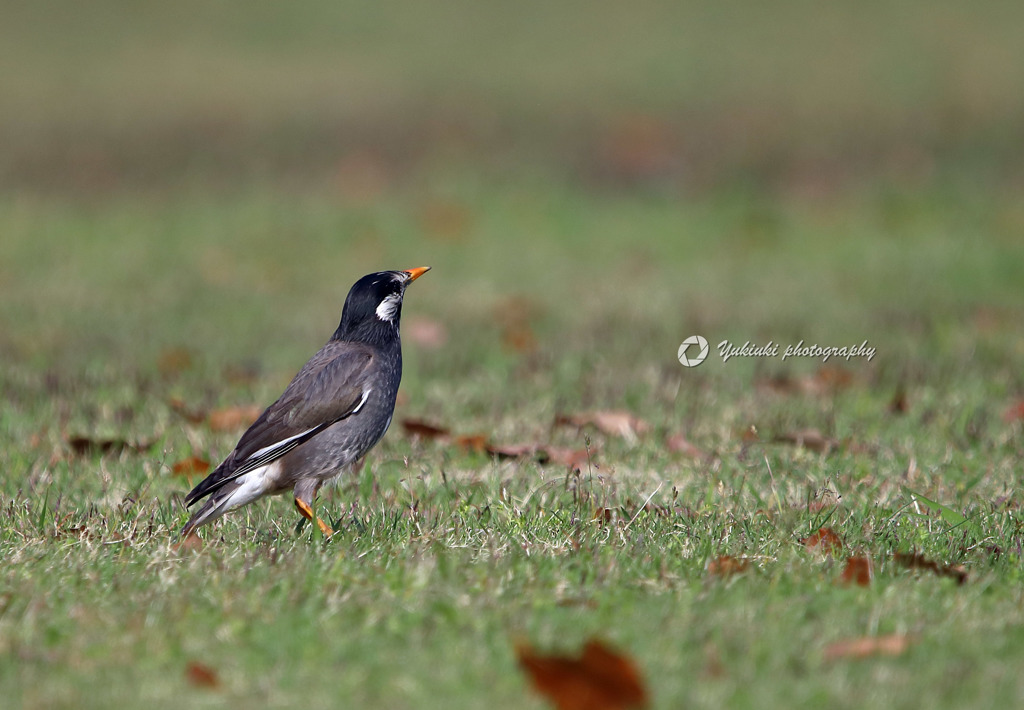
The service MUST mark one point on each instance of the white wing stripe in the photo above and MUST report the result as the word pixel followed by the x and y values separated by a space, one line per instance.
pixel 279 444
pixel 366 395
pixel 267 454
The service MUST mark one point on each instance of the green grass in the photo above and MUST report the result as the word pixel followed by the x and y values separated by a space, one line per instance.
pixel 172 185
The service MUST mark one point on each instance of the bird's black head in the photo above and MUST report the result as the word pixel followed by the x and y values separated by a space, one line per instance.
pixel 374 306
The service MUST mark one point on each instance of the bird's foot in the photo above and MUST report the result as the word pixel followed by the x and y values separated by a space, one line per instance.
pixel 307 512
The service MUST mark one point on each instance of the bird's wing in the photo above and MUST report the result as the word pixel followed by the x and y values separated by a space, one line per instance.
pixel 329 388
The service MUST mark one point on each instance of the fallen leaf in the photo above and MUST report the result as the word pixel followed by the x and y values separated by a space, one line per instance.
pixel 828 379
pixel 713 665
pixel 519 338
pixel 515 315
pixel 864 647
pixel 920 562
pixel 810 439
pixel 472 442
pixel 857 571
pixel 574 459
pixel 582 602
pixel 512 451
pixel 1014 412
pixel 831 378
pixel 639 148
pixel 179 407
pixel 991 320
pixel 427 333
pixel 600 679
pixel 898 404
pixel 87 445
pixel 679 444
pixel 201 675
pixel 823 540
pixel 192 466
pixel 233 418
pixel 609 422
pixel 727 566
pixel 749 435
pixel 419 429
pixel 173 361
pixel 781 384
pixel 241 373
pixel 190 543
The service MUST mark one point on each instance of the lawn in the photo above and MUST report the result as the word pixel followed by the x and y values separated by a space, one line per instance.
pixel 186 196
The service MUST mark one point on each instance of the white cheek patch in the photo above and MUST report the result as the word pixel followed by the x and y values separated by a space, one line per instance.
pixel 389 306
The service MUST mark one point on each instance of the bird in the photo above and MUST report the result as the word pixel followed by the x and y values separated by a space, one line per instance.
pixel 332 413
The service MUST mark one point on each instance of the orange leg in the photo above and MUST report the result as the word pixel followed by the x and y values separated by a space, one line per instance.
pixel 307 512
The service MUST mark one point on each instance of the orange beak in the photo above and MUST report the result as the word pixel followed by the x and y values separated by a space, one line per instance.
pixel 417 272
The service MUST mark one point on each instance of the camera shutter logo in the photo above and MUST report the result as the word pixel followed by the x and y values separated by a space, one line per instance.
pixel 694 358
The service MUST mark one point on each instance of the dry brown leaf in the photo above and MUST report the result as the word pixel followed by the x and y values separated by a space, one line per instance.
pixel 810 439
pixel 87 445
pixel 582 602
pixel 920 562
pixel 713 665
pixel 472 442
pixel 241 373
pixel 639 147
pixel 233 418
pixel 190 543
pixel 614 422
pixel 828 379
pixel 179 407
pixel 574 459
pixel 512 451
pixel 831 378
pixel 749 435
pixel 426 333
pixel 519 338
pixel 1014 412
pixel 889 645
pixel 201 675
pixel 600 679
pixel 419 429
pixel 857 571
pixel 192 466
pixel 899 404
pixel 727 566
pixel 990 320
pixel 514 315
pixel 173 361
pixel 679 444
pixel 823 540
pixel 781 384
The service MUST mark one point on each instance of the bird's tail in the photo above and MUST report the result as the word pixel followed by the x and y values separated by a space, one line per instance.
pixel 220 501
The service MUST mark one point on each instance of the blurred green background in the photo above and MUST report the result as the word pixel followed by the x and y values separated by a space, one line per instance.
pixel 763 171
pixel 188 190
